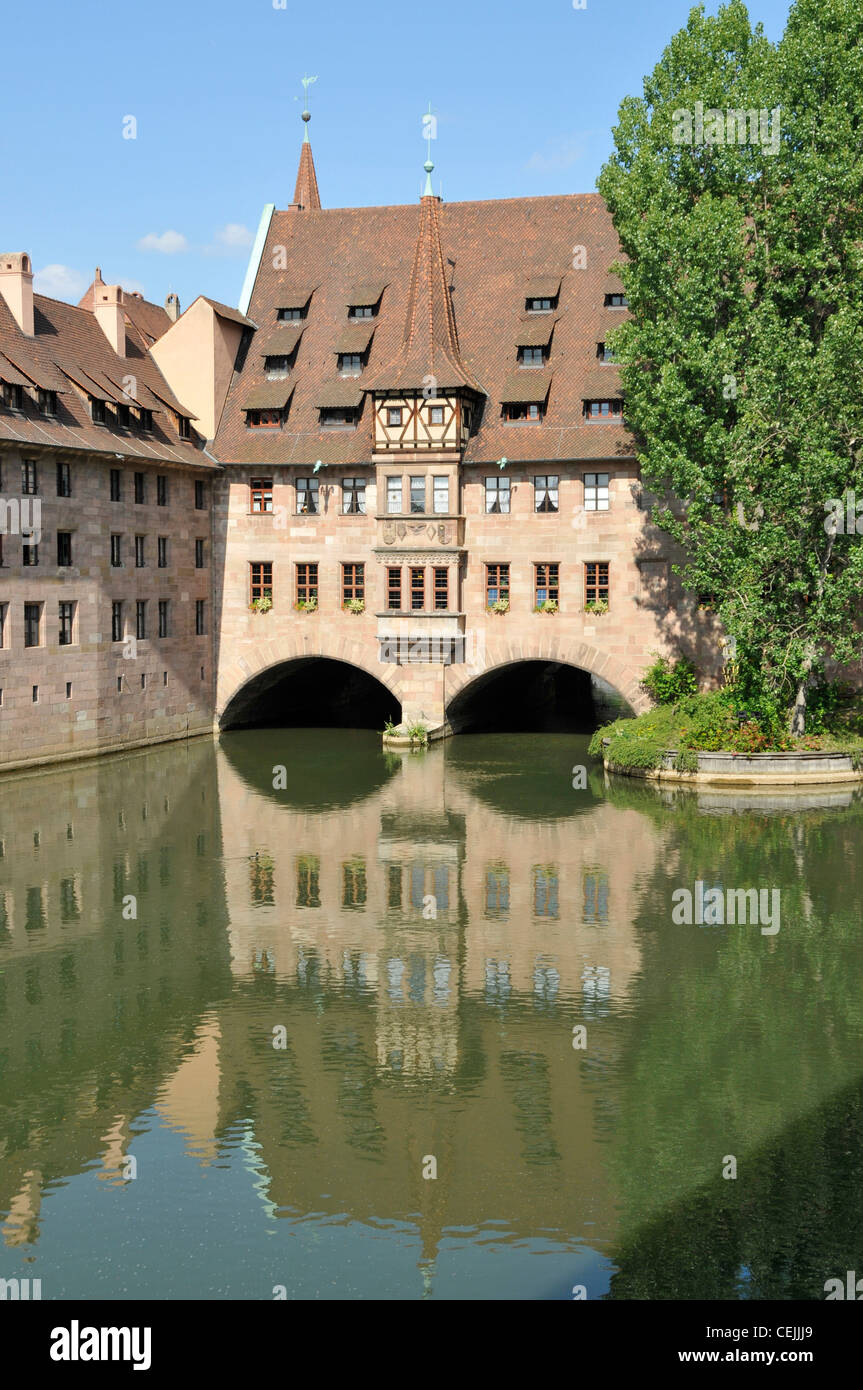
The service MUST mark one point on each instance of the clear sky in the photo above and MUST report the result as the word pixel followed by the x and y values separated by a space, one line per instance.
pixel 525 94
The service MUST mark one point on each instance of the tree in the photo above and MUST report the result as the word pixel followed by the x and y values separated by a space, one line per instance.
pixel 742 367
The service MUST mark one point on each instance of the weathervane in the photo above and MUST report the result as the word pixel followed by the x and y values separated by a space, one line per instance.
pixel 430 132
pixel 307 115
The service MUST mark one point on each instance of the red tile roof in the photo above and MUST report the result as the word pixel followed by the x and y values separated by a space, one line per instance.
pixel 147 321
pixel 493 254
pixel 306 193
pixel 69 350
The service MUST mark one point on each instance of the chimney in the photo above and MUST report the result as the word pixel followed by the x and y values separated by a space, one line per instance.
pixel 172 307
pixel 16 287
pixel 108 308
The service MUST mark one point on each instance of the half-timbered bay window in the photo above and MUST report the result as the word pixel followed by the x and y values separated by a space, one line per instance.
pixel 260 580
pixel 546 583
pixel 353 581
pixel 545 493
pixel 496 583
pixel 353 496
pixel 596 492
pixel 418 587
pixel 596 586
pixel 602 410
pixel 260 495
pixel 497 494
pixel 307 496
pixel 441 587
pixel 394 587
pixel 307 582
pixel 394 495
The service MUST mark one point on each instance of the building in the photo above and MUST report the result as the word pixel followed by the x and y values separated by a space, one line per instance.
pixel 404 453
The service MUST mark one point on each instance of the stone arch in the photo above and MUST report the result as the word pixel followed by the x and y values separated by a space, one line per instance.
pixel 239 672
pixel 566 651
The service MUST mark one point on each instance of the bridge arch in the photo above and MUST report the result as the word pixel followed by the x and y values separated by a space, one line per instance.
pixel 246 681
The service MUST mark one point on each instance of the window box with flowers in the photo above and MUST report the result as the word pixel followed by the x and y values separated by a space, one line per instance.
pixel 599 605
pixel 500 605
pixel 549 605
pixel 354 605
pixel 262 604
pixel 306 605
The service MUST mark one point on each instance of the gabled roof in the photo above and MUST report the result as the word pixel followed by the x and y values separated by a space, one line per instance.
pixel 147 321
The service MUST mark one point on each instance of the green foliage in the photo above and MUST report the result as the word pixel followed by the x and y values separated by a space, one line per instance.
pixel 742 367
pixel 549 605
pixel 666 681
pixel 354 605
pixel 262 604
pixel 500 605
pixel 596 605
pixel 418 734
pixel 307 605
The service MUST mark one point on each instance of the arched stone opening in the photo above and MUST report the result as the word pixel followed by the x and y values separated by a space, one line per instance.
pixel 534 695
pixel 311 692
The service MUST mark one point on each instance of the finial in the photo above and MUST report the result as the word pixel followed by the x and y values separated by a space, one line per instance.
pixel 430 131
pixel 306 113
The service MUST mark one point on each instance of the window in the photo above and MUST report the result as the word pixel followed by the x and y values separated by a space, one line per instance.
pixel 350 363
pixel 616 301
pixel 601 410
pixel 441 587
pixel 545 892
pixel 394 415
pixel 35 695
pixel 596 492
pixel 276 366
pixel 260 580
pixel 184 427
pixel 353 496
pixel 338 416
pixel 98 412
pixel 440 491
pixel 32 624
pixel 307 496
pixel 596 581
pixel 261 495
pixel 145 419
pixel 307 582
pixel 418 494
pixel 394 495
pixel 545 493
pixel 546 584
pixel 116 621
pixel 531 356
pixel 199 497
pixel 140 556
pixel 29 478
pixel 418 588
pixel 67 622
pixel 361 311
pixel 532 411
pixel 496 583
pixel 605 353
pixel 162 552
pixel 394 588
pixel 124 415
pixel 64 548
pixel 68 697
pixel 199 553
pixel 595 886
pixel 541 306
pixel 308 880
pixel 47 402
pixel 141 618
pixel 13 396
pixel 161 490
pixel 116 485
pixel 290 315
pixel 264 419
pixel 436 414
pixel 163 617
pixel 354 888
pixel 496 495
pixel 139 487
pixel 29 555
pixel 353 581
pixel 200 628
pixel 116 551
pixel 119 685
pixel 3 611
pixel 64 480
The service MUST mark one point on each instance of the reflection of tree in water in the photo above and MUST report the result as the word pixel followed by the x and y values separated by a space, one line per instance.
pixel 738 1038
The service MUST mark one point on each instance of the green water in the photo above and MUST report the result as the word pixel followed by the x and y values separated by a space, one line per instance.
pixel 419 935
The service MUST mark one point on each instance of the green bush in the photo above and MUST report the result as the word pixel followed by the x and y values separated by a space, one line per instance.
pixel 667 681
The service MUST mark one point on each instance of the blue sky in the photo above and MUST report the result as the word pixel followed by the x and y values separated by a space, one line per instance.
pixel 525 95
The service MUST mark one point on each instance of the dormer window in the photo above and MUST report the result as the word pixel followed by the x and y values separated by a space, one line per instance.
pixel 264 419
pixel 98 413
pixel 541 305
pixel 363 301
pixel 13 396
pixel 616 301
pixel 145 419
pixel 531 356
pixel 350 363
pixel 276 367
pixel 361 311
pixel 338 416
pixel 47 401
pixel 291 315
pixel 123 414
pixel 605 353
pixel 529 411
pixel 184 427
pixel 602 410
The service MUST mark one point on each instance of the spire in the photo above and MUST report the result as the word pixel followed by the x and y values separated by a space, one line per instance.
pixel 306 193
pixel 430 344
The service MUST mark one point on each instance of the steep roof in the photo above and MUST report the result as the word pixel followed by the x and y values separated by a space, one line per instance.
pixel 490 255
pixel 148 321
pixel 306 193
pixel 68 350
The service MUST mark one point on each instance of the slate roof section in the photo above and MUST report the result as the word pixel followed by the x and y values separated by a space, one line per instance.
pixel 491 252
pixel 69 348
